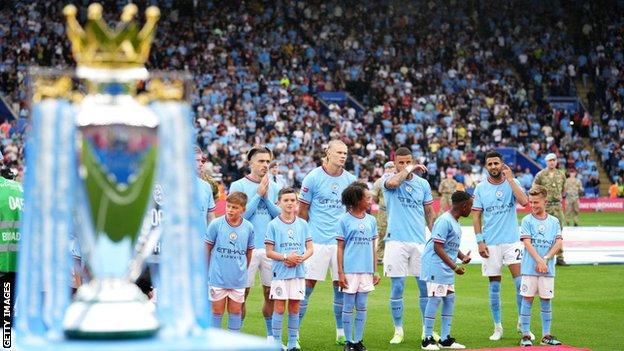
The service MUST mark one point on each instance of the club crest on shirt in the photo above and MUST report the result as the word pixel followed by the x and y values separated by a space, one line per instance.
pixel 541 229
pixel 334 188
pixel 233 236
pixel 291 234
pixel 361 226
pixel 408 189
pixel 499 193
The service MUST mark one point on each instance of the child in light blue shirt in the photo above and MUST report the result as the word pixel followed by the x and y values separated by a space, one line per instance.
pixel 357 231
pixel 229 245
pixel 541 234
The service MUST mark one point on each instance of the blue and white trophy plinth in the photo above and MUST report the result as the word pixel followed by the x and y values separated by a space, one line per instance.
pixel 95 149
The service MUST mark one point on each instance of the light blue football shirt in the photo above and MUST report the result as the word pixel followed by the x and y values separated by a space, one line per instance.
pixel 543 234
pixel 286 238
pixel 206 201
pixel 405 207
pixel 154 218
pixel 259 210
pixel 323 193
pixel 499 221
pixel 155 215
pixel 359 236
pixel 228 258
pixel 446 230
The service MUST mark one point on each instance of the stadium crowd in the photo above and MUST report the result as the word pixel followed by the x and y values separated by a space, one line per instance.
pixel 450 80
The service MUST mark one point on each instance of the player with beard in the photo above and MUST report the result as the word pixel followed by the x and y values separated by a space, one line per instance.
pixel 260 210
pixel 495 224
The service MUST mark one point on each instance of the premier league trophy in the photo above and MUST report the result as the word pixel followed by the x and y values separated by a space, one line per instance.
pixel 117 142
pixel 101 136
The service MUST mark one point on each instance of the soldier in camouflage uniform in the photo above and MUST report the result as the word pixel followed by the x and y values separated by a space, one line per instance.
pixel 573 189
pixel 382 218
pixel 446 188
pixel 553 180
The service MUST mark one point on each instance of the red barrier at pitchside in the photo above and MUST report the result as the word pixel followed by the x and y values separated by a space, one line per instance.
pixel 534 348
pixel 596 204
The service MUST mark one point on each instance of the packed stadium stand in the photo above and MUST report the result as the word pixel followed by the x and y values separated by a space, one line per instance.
pixel 448 79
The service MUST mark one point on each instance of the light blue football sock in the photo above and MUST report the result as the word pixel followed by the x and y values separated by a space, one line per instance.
pixel 293 329
pixel 546 312
pixel 338 301
pixel 360 315
pixel 276 326
pixel 422 289
pixel 518 282
pixel 268 321
pixel 234 322
pixel 525 316
pixel 347 316
pixel 216 320
pixel 430 314
pixel 448 303
pixel 396 300
pixel 303 305
pixel 495 308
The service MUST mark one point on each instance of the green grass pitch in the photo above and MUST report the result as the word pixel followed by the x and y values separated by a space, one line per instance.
pixel 588 309
pixel 590 219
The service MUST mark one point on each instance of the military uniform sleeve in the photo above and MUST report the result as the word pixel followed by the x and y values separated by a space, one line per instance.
pixel 538 178
pixel 376 188
pixel 581 188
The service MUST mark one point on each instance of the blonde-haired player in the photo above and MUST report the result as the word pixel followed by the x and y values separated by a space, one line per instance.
pixel 320 204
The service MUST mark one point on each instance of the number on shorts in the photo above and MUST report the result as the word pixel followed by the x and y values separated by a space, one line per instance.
pixel 519 257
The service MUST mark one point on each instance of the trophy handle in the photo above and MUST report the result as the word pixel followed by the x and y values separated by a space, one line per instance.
pixel 135 266
pixel 84 231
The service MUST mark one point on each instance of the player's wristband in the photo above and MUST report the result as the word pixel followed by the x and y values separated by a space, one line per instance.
pixel 546 259
pixel 285 257
pixel 456 268
pixel 479 237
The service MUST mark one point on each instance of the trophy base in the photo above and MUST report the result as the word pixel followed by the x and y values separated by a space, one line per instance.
pixel 110 309
pixel 210 340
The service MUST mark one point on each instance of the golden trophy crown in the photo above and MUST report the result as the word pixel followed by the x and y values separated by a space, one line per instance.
pixel 97 46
